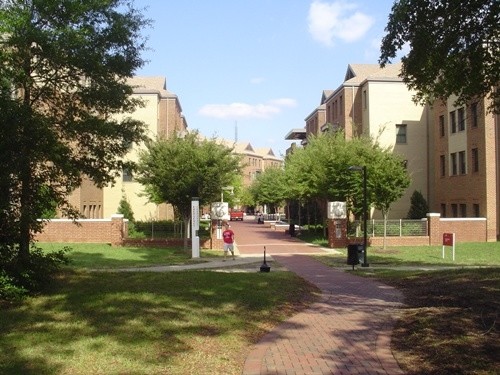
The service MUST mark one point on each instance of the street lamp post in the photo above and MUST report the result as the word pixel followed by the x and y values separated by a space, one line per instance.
pixel 365 213
pixel 229 188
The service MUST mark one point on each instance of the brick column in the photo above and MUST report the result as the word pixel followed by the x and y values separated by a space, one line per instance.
pixel 337 233
pixel 117 232
pixel 433 227
pixel 215 244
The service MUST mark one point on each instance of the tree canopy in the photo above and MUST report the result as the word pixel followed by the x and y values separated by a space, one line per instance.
pixel 269 188
pixel 64 67
pixel 176 169
pixel 454 48
pixel 321 171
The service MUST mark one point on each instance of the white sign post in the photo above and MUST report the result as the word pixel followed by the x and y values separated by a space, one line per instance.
pixel 195 226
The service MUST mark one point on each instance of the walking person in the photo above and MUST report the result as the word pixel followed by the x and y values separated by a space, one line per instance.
pixel 228 237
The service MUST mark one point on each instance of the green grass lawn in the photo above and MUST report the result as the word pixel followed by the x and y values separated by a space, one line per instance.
pixel 96 256
pixel 198 322
pixel 466 254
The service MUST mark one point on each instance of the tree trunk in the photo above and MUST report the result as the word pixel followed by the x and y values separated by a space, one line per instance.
pixel 25 217
pixel 385 228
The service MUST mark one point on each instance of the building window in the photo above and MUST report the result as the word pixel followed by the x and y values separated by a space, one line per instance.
pixel 127 175
pixel 453 158
pixel 341 105
pixel 401 133
pixel 442 165
pixel 365 100
pixel 475 160
pixel 463 210
pixel 475 207
pixel 462 163
pixel 441 126
pixel 453 122
pixel 454 209
pixel 473 115
pixel 461 119
pixel 443 209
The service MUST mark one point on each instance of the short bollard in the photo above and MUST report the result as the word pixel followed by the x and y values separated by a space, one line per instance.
pixel 265 267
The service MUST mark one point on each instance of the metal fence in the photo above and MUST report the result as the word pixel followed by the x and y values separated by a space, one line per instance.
pixel 157 229
pixel 395 228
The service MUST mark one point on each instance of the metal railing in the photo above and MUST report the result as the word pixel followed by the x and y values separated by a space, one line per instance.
pixel 395 228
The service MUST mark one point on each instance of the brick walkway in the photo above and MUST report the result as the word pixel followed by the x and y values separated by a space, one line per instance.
pixel 346 332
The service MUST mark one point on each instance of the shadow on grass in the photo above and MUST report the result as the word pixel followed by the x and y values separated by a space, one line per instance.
pixel 106 256
pixel 115 322
pixel 454 311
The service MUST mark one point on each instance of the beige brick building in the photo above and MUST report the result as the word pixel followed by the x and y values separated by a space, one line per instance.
pixel 162 113
pixel 254 160
pixel 451 153
pixel 374 101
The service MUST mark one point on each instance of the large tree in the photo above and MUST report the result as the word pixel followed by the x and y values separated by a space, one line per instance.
pixel 321 171
pixel 176 169
pixel 269 188
pixel 63 71
pixel 454 48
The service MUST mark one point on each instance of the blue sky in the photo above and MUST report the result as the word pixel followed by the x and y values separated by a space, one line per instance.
pixel 258 66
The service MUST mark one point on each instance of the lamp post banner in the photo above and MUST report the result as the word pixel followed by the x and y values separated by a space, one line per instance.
pixel 337 210
pixel 219 211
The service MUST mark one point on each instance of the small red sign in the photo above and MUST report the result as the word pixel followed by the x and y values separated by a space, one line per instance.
pixel 447 239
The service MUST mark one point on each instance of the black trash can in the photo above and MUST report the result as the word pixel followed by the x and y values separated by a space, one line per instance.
pixel 354 254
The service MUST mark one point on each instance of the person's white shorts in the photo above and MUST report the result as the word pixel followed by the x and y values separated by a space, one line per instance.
pixel 228 247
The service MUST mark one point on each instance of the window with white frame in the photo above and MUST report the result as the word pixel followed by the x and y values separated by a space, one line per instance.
pixel 461 119
pixel 127 175
pixel 453 121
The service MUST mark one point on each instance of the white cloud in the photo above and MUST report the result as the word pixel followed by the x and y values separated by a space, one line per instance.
pixel 330 21
pixel 284 102
pixel 244 110
pixel 256 80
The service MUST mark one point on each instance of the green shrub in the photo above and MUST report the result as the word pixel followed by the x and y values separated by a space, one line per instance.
pixel 18 279
pixel 8 290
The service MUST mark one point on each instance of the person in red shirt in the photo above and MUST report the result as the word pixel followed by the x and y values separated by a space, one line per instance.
pixel 228 237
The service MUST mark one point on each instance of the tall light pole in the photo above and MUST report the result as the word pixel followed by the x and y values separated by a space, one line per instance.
pixel 365 213
pixel 229 188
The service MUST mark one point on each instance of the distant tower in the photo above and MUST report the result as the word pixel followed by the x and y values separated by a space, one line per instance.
pixel 236 132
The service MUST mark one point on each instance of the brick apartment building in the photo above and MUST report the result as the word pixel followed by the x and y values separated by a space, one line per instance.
pixel 450 153
pixel 463 147
pixel 162 113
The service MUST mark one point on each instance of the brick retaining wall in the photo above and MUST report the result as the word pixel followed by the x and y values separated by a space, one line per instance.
pixel 112 230
pixel 465 229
